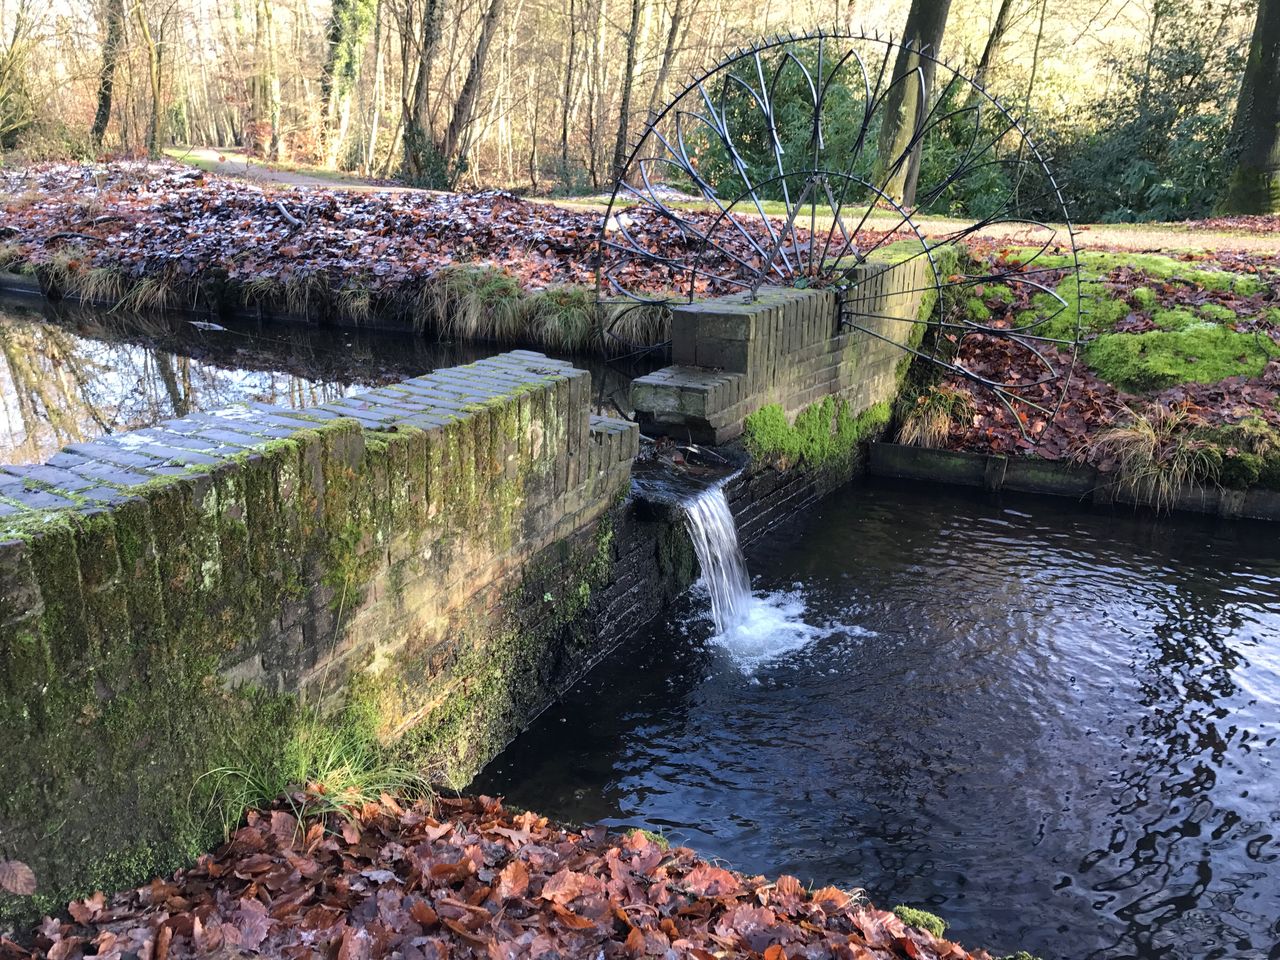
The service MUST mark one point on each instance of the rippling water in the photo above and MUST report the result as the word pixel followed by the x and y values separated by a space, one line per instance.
pixel 1054 728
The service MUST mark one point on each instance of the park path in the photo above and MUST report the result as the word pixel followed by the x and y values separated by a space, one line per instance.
pixel 235 163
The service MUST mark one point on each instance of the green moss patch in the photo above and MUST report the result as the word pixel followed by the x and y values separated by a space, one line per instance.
pixel 825 435
pixel 922 919
pixel 1156 360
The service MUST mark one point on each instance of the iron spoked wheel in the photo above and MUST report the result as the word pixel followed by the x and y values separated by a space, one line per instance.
pixel 777 166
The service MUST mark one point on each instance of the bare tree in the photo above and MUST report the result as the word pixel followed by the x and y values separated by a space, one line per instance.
pixel 628 81
pixel 907 100
pixel 107 76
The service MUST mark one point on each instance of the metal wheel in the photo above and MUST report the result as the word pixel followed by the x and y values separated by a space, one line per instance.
pixel 773 167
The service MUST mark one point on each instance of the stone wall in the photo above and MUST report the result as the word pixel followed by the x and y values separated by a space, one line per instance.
pixel 179 605
pixel 734 355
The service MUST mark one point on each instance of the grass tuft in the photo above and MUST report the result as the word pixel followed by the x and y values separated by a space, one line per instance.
pixel 325 768
pixel 1158 455
pixel 147 294
pixel 929 420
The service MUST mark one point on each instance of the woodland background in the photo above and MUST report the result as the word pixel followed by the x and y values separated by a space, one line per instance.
pixel 1137 100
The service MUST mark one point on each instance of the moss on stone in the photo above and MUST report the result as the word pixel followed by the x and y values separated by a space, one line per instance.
pixel 922 919
pixel 825 435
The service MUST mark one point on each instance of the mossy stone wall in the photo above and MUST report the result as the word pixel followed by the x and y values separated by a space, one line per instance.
pixel 788 348
pixel 178 599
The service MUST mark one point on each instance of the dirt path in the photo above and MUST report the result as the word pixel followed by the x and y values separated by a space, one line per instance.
pixel 235 163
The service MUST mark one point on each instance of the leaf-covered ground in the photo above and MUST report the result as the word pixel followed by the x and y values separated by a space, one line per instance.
pixel 171 221
pixel 1198 333
pixel 467 878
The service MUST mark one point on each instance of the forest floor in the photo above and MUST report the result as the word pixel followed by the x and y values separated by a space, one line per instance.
pixel 466 878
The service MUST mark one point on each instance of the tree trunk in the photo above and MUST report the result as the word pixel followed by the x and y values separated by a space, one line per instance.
pixel 628 81
pixel 348 29
pixel 418 147
pixel 464 106
pixel 568 92
pixel 1254 186
pixel 375 106
pixel 153 78
pixel 668 56
pixel 907 100
pixel 994 41
pixel 107 76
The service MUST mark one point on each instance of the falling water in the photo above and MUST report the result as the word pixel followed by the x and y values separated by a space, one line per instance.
pixel 753 628
pixel 715 539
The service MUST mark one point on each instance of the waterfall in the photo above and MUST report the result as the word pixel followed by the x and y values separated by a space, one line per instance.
pixel 752 629
pixel 715 539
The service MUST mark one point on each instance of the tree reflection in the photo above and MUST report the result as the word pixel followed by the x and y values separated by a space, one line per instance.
pixel 59 387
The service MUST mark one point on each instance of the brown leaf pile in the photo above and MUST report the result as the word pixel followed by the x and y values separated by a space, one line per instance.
pixel 1247 223
pixel 466 878
pixel 167 220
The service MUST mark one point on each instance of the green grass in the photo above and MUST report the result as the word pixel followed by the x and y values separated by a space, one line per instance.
pixel 330 765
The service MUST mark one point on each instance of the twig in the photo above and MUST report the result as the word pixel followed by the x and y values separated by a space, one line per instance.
pixel 72 234
pixel 287 215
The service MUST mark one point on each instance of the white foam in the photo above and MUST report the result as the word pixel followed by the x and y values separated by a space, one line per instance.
pixel 771 625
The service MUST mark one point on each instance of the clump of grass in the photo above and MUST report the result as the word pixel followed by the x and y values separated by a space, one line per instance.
pixel 327 766
pixel 148 294
pixel 564 318
pixel 1250 453
pixel 100 285
pixel 634 325
pixel 475 303
pixel 62 268
pixel 929 420
pixel 10 255
pixel 355 302
pixel 1158 455
pixel 302 291
pixel 262 290
pixel 922 919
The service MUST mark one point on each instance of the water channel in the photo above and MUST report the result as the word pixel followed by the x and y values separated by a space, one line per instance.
pixel 1056 729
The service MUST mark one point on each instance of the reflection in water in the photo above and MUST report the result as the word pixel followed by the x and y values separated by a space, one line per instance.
pixel 72 375
pixel 1055 729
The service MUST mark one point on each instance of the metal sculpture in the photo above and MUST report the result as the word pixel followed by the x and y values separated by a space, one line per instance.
pixel 775 167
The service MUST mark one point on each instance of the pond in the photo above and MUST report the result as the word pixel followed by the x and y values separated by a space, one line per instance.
pixel 1055 729
pixel 68 375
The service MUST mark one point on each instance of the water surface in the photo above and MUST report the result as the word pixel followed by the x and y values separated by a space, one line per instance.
pixel 72 374
pixel 1056 729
